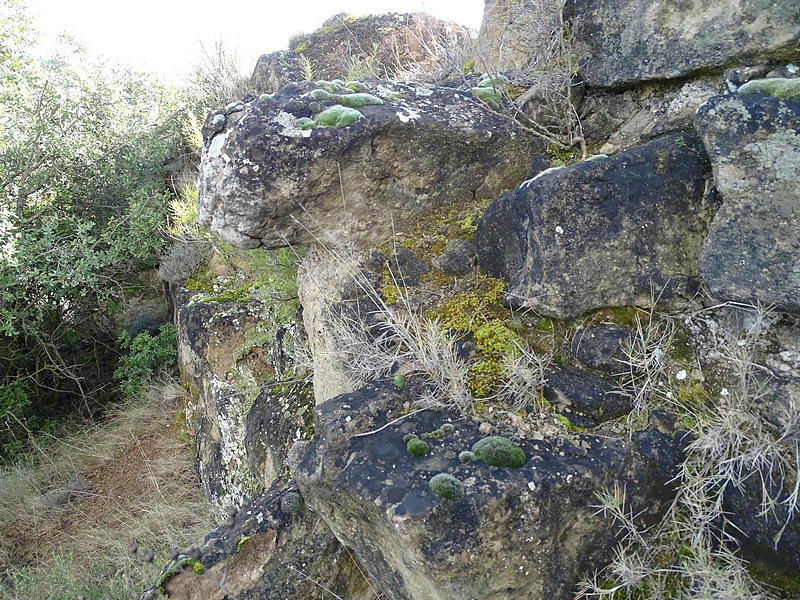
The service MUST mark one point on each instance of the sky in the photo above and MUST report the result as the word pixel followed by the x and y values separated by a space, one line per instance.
pixel 165 36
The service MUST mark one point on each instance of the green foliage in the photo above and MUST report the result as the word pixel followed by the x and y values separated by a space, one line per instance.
pixel 82 201
pixel 335 116
pixel 353 100
pixel 417 447
pixel 498 451
pixel 447 487
pixel 147 356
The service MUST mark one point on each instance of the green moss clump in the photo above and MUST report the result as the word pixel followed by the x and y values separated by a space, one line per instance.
pixel 498 451
pixel 444 430
pixel 354 100
pixel 242 542
pixel 466 456
pixel 489 96
pixel 778 87
pixel 265 98
pixel 493 80
pixel 564 420
pixel 417 447
pixel 484 377
pixel 336 116
pixel 239 294
pixel 463 311
pixel 562 157
pixel 356 86
pixel 447 487
pixel 302 46
pixel 468 68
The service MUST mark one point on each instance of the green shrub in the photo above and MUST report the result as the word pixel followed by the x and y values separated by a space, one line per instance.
pixel 147 356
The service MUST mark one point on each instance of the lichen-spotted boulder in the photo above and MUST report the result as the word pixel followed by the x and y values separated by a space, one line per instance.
pixel 613 231
pixel 478 531
pixel 390 46
pixel 619 42
pixel 753 248
pixel 274 172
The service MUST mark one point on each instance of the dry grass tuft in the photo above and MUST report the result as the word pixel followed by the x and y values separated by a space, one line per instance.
pixel 70 513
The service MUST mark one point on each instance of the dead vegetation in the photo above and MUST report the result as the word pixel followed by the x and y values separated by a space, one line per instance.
pixel 70 513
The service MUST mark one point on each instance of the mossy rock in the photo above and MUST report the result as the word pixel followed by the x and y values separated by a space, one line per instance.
pixel 498 451
pixel 488 95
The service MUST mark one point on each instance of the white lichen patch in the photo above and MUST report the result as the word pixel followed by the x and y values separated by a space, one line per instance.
pixel 424 90
pixel 410 114
pixel 286 122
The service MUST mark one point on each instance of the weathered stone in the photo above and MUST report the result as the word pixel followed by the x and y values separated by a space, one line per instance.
pixel 740 75
pixel 458 257
pixel 505 38
pixel 518 533
pixel 275 70
pixel 753 244
pixel 264 182
pixel 606 232
pixel 585 394
pixel 266 553
pixel 620 42
pixel 620 120
pixel 390 46
pixel 280 415
pixel 601 347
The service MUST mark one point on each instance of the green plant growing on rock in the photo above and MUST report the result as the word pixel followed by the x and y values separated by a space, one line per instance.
pixel 498 451
pixel 337 116
pixel 447 487
pixel 417 447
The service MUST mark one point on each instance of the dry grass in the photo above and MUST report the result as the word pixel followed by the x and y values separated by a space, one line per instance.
pixel 70 513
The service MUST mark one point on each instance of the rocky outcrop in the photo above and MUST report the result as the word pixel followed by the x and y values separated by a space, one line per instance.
pixel 620 42
pixel 388 46
pixel 228 359
pixel 272 548
pixel 265 181
pixel 517 533
pixel 612 231
pixel 751 254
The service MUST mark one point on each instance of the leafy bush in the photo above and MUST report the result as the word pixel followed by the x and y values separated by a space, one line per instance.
pixel 147 356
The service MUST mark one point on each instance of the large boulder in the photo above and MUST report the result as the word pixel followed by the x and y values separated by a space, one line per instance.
pixel 388 46
pixel 621 42
pixel 271 175
pixel 517 533
pixel 612 231
pixel 753 244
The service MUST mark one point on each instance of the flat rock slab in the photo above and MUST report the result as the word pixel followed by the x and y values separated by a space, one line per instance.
pixel 753 248
pixel 517 534
pixel 614 231
pixel 265 182
pixel 621 42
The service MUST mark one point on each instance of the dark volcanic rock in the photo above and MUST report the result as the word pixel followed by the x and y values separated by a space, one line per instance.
pixel 585 394
pixel 601 346
pixel 753 244
pixel 605 232
pixel 275 70
pixel 518 533
pixel 458 257
pixel 265 182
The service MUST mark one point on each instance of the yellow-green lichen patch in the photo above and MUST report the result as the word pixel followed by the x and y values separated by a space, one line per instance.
pixel 777 87
pixel 180 565
pixel 470 310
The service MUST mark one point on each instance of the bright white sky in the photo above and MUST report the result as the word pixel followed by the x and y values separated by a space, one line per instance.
pixel 164 36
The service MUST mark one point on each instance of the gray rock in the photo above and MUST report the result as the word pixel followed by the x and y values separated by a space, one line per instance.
pixel 404 263
pixel 586 394
pixel 606 232
pixel 601 347
pixel 275 70
pixel 264 182
pixel 620 42
pixel 739 75
pixel 753 244
pixel 458 257
pixel 517 534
